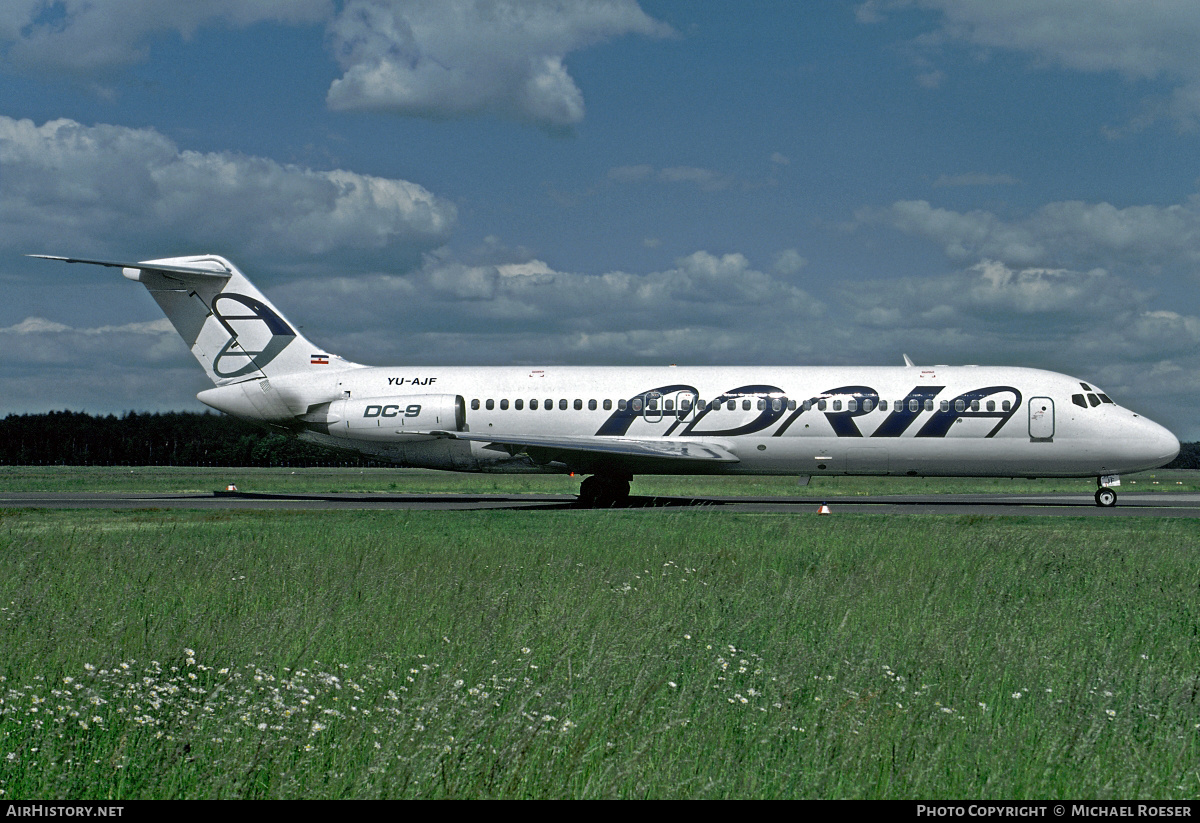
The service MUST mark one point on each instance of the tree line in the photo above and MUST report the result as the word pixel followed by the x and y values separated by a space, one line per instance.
pixel 69 438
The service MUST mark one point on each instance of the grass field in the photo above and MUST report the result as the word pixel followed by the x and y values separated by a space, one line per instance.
pixel 647 653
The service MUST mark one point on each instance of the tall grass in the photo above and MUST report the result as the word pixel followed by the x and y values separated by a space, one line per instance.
pixel 596 654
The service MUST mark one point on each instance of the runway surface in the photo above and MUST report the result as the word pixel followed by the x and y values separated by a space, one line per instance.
pixel 1161 504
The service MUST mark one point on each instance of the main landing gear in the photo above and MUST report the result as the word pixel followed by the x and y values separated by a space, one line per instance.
pixel 604 491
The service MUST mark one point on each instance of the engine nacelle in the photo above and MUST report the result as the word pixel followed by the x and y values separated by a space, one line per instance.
pixel 397 417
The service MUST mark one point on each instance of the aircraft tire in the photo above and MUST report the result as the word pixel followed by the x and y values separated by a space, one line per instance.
pixel 589 492
pixel 1106 497
pixel 603 492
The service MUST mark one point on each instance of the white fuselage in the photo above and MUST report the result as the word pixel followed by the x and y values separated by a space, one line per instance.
pixel 919 421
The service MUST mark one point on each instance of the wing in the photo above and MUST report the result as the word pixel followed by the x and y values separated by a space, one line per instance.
pixel 590 450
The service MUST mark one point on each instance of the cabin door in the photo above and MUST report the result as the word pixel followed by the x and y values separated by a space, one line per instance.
pixel 1041 418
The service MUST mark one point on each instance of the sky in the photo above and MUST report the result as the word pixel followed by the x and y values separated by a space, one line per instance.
pixel 459 182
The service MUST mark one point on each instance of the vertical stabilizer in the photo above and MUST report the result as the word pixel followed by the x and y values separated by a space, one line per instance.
pixel 229 325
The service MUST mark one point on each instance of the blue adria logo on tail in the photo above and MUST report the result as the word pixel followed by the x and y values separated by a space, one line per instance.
pixel 256 335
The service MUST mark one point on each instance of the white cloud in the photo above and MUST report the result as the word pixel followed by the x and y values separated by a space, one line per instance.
pixel 97 188
pixel 449 58
pixel 1070 233
pixel 1091 324
pixel 425 58
pixel 991 292
pixel 530 311
pixel 36 340
pixel 90 35
pixel 1138 41
pixel 788 262
pixel 40 325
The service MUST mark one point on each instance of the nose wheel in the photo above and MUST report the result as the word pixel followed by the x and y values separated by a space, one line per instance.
pixel 1106 497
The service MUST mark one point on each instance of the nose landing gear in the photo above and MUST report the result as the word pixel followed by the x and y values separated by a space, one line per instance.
pixel 1106 497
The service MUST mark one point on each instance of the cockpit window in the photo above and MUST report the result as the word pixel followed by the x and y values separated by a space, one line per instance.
pixel 1078 400
pixel 1104 398
pixel 1093 399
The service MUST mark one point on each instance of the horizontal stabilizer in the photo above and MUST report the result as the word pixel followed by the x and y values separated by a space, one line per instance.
pixel 162 268
pixel 669 448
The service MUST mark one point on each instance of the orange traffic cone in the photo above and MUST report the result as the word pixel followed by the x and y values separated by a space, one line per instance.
pixel 231 488
pixel 824 509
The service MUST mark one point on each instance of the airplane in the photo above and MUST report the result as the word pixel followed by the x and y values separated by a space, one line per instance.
pixel 612 423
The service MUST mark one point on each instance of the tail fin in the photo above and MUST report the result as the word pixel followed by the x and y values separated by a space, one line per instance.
pixel 232 329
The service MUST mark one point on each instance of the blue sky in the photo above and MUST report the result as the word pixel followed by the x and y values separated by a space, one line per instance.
pixel 999 182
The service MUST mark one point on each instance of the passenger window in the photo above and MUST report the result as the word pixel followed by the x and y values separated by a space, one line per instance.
pixel 668 405
pixel 578 405
pixel 637 404
pixel 685 405
pixel 475 404
pixel 946 406
pixel 745 405
pixel 991 405
pixel 820 405
pixel 519 404
pixel 490 404
pixel 701 405
pixel 929 405
pixel 762 404
pixel 562 404
pixel 1006 405
pixel 776 404
pixel 883 405
pixel 607 405
pixel 807 405
pixel 652 404
pixel 504 405
pixel 533 405
pixel 837 405
pixel 732 405
pixel 791 405
pixel 914 405
pixel 959 405
pixel 868 405
pixel 591 405
pixel 974 405
pixel 851 405
pixel 622 405
pixel 549 404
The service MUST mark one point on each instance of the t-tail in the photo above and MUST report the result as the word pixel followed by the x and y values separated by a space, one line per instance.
pixel 261 366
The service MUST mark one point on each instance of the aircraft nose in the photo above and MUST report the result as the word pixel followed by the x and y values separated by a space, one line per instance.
pixel 1160 442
